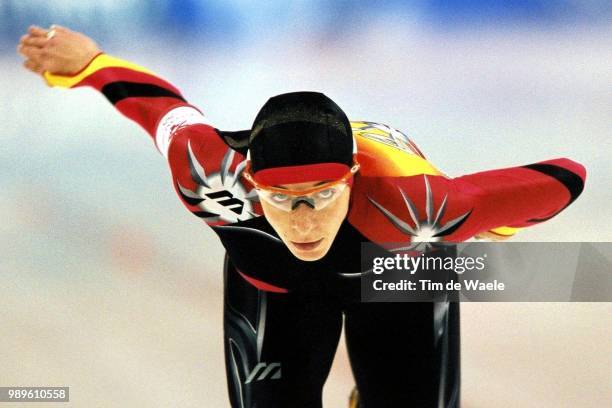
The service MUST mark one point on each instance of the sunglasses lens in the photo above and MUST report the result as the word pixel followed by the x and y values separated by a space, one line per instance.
pixel 291 200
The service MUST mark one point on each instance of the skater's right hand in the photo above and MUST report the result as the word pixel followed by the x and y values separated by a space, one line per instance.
pixel 57 50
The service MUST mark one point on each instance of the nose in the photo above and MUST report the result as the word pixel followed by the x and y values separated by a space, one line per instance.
pixel 302 219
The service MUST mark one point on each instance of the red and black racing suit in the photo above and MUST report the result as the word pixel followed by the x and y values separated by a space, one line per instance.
pixel 282 316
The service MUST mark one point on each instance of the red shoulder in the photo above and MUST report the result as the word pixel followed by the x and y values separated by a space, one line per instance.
pixel 207 176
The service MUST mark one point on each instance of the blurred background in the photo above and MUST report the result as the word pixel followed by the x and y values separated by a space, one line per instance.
pixel 110 287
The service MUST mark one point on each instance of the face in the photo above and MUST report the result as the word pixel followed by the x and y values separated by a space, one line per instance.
pixel 308 233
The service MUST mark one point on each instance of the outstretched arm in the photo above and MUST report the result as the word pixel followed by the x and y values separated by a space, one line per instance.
pixel 206 172
pixel 70 59
pixel 429 206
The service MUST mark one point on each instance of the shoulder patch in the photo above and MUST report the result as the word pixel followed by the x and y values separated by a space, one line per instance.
pixel 387 152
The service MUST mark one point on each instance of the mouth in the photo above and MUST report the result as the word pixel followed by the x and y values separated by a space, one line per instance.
pixel 307 246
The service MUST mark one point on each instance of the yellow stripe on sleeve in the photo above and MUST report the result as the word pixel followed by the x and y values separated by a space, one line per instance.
pixel 99 62
pixel 505 231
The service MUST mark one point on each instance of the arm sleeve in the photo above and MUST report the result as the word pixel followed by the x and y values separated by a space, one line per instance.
pixel 134 91
pixel 206 172
pixel 512 198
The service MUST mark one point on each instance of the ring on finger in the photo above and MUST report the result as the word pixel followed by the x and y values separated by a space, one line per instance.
pixel 50 34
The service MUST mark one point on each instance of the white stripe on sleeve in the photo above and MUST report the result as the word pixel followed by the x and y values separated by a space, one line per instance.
pixel 174 120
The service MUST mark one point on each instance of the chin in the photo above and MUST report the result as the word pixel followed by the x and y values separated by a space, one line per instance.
pixel 307 257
